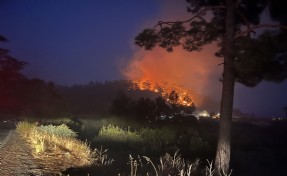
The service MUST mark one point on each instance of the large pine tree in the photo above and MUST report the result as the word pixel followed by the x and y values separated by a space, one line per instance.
pixel 232 25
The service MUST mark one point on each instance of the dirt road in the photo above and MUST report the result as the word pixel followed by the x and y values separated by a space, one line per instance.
pixel 5 128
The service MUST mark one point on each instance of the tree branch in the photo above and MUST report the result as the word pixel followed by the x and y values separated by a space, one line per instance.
pixel 245 21
pixel 198 15
pixel 259 26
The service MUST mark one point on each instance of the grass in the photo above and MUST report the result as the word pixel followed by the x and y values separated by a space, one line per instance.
pixel 117 134
pixel 147 142
pixel 170 165
pixel 151 140
pixel 253 146
pixel 54 140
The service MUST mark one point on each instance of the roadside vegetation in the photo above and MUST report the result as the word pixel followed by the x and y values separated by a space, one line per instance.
pixel 81 144
pixel 113 145
pixel 59 142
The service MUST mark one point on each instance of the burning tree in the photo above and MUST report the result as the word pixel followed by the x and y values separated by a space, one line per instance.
pixel 174 94
pixel 230 25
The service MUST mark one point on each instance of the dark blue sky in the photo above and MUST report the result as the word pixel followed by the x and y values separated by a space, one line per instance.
pixel 76 41
pixel 72 41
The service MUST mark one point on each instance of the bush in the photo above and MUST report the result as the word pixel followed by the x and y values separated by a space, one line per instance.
pixel 157 136
pixel 24 128
pixel 115 133
pixel 61 130
pixel 51 140
pixel 167 165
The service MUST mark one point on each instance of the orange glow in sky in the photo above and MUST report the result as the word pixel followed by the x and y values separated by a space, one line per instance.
pixel 197 72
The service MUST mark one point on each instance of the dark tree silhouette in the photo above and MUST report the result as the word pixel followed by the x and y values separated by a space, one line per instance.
pixel 232 23
pixel 145 108
pixel 173 97
pixel 22 96
pixel 262 58
pixel 10 67
pixel 40 99
pixel 285 110
pixel 121 104
pixel 10 76
pixel 161 107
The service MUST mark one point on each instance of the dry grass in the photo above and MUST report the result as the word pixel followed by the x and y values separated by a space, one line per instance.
pixel 168 165
pixel 101 157
pixel 115 133
pixel 171 165
pixel 52 140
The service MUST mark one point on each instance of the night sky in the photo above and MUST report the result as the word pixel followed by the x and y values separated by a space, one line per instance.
pixel 74 42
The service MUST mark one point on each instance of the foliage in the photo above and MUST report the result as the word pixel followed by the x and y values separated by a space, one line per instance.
pixel 154 139
pixel 101 157
pixel 147 109
pixel 262 58
pixel 115 133
pixel 168 165
pixel 51 140
pixel 10 77
pixel 25 128
pixel 257 59
pixel 10 68
pixel 97 97
pixel 61 130
pixel 157 136
pixel 171 165
pixel 226 26
pixel 22 96
pixel 285 110
pixel 121 104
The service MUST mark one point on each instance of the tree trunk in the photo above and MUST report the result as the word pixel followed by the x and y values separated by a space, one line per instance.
pixel 223 147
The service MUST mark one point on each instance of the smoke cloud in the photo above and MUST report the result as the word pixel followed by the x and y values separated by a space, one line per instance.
pixel 197 71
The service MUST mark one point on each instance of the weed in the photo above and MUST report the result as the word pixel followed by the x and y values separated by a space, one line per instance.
pixel 101 157
pixel 115 133
pixel 24 128
pixel 168 165
pixel 52 140
pixel 61 130
pixel 210 171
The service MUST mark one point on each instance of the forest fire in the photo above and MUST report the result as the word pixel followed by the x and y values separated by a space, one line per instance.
pixel 172 93
pixel 192 76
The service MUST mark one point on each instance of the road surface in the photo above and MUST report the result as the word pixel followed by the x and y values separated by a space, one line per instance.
pixel 5 128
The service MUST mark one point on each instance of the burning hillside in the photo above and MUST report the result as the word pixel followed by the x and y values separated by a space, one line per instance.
pixel 193 76
pixel 174 94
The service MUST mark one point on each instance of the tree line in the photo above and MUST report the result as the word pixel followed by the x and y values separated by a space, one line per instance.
pixel 24 97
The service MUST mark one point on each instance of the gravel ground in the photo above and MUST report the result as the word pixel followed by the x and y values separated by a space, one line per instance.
pixel 16 159
pixel 5 127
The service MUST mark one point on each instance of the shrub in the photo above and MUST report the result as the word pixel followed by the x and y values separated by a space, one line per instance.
pixel 171 165
pixel 157 136
pixel 168 165
pixel 24 128
pixel 61 130
pixel 115 133
pixel 51 140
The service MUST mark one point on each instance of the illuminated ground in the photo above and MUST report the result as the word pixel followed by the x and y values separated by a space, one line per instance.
pixel 17 159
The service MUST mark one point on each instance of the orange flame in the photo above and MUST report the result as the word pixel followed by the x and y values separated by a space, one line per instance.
pixel 189 74
pixel 184 95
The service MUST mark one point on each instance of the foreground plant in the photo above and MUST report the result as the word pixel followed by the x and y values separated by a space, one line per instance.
pixel 58 144
pixel 116 133
pixel 101 157
pixel 168 165
pixel 171 165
